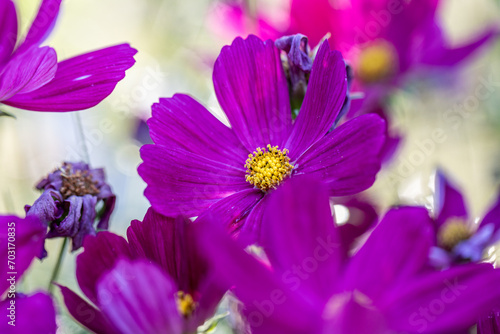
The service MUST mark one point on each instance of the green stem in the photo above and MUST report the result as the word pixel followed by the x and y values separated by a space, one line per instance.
pixel 57 268
pixel 81 136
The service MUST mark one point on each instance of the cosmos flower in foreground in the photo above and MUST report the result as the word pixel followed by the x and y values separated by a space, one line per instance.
pixel 198 163
pixel 20 242
pixel 73 197
pixel 315 287
pixel 31 77
pixel 459 238
pixel 155 283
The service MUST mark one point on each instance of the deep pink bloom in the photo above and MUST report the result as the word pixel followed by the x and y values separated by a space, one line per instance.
pixel 410 29
pixel 141 286
pixel 314 286
pixel 389 42
pixel 31 77
pixel 229 19
pixel 198 163
pixel 20 242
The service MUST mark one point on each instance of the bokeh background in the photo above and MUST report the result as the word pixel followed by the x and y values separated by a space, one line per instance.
pixel 178 41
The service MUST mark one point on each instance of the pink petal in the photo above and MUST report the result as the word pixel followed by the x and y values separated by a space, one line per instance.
pixel 396 250
pixel 347 159
pixel 99 256
pixel 33 314
pixel 138 297
pixel 80 82
pixel 325 96
pixel 8 30
pixel 42 25
pixel 28 71
pixel 252 90
pixel 86 314
pixel 180 182
pixel 182 122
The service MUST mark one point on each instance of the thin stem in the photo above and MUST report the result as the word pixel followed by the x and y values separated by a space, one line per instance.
pixel 57 268
pixel 80 136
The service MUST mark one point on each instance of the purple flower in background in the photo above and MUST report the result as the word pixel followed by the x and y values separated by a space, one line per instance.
pixel 386 41
pixel 198 163
pixel 31 77
pixel 459 237
pixel 73 197
pixel 389 43
pixel 174 294
pixel 20 242
pixel 315 287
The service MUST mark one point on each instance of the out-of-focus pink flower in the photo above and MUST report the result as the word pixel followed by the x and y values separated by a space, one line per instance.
pixel 233 18
pixel 386 41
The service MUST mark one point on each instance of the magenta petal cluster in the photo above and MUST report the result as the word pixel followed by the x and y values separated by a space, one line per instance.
pixel 20 242
pixel 386 287
pixel 157 282
pixel 197 162
pixel 32 78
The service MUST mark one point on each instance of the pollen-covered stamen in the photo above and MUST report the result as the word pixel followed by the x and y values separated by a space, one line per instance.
pixel 185 303
pixel 77 182
pixel 377 61
pixel 454 231
pixel 267 167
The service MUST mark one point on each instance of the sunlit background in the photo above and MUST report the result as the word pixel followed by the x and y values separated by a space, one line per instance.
pixel 178 41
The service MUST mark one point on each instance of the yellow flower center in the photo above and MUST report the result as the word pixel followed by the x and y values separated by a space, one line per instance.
pixel 185 303
pixel 454 231
pixel 377 62
pixel 267 167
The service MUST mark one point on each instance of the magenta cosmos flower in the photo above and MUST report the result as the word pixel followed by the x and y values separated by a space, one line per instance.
pixel 459 237
pixel 20 242
pixel 31 77
pixel 389 43
pixel 314 286
pixel 198 163
pixel 157 282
